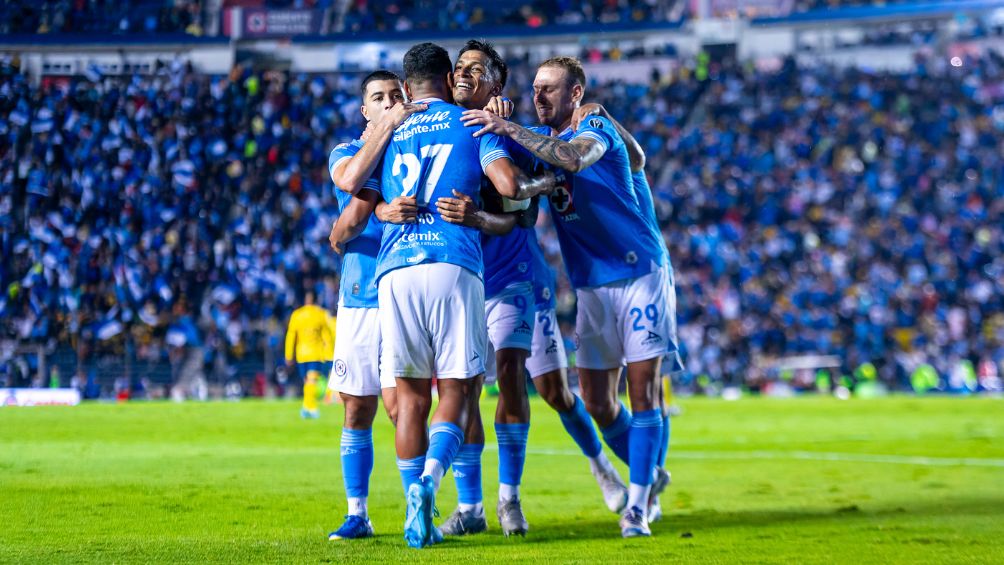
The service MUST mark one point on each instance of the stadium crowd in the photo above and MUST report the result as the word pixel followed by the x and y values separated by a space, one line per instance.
pixel 100 16
pixel 807 210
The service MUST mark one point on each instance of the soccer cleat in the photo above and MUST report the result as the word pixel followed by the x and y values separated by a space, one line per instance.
pixel 662 480
pixel 461 523
pixel 418 528
pixel 309 414
pixel 654 511
pixel 634 524
pixel 511 518
pixel 615 492
pixel 355 527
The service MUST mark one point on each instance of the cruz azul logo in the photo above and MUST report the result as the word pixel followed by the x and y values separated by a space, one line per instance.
pixel 562 200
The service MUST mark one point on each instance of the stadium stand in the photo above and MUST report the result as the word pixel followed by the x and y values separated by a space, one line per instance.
pixel 97 16
pixel 808 210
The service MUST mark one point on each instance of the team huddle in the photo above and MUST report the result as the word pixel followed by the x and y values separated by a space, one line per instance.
pixel 442 277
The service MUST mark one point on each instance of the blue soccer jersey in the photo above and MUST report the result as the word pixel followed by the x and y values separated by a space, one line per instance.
pixel 543 277
pixel 647 204
pixel 358 287
pixel 601 226
pixel 507 257
pixel 431 155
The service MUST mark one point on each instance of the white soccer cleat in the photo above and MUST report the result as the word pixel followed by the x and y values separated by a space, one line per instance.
pixel 633 523
pixel 615 492
pixel 511 518
pixel 461 523
pixel 662 480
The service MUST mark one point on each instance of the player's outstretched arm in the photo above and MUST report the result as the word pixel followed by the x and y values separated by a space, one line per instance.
pixel 635 152
pixel 352 220
pixel 350 175
pixel 573 156
pixel 514 184
pixel 462 210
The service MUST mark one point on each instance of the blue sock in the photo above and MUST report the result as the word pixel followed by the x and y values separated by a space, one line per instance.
pixel 467 473
pixel 646 434
pixel 617 435
pixel 512 451
pixel 357 461
pixel 411 470
pixel 578 425
pixel 664 445
pixel 445 439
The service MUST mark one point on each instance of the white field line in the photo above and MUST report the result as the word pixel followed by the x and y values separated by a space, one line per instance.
pixel 805 456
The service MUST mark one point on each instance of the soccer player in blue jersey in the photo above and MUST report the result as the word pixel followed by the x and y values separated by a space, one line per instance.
pixel 429 273
pixel 509 244
pixel 615 264
pixel 675 364
pixel 354 374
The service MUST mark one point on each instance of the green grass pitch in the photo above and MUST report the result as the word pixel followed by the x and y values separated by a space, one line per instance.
pixel 808 480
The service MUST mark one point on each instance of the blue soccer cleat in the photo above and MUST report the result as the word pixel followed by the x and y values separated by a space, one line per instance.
pixel 309 414
pixel 419 530
pixel 355 527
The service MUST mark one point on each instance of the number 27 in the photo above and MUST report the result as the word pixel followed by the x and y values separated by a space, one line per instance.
pixel 440 153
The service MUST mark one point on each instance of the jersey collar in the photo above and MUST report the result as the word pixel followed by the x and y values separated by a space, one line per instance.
pixel 426 100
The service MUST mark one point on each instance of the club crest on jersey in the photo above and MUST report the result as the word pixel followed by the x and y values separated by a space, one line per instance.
pixel 562 201
pixel 341 368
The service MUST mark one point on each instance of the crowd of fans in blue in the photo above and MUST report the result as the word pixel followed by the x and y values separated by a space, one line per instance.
pixel 191 16
pixel 808 210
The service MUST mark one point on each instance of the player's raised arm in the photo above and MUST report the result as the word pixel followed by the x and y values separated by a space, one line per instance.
pixel 350 174
pixel 572 156
pixel 635 152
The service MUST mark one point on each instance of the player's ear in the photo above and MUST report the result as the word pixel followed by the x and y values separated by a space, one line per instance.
pixel 407 91
pixel 449 81
pixel 362 108
pixel 577 92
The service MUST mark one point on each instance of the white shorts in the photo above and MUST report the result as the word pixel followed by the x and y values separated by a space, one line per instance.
pixel 548 351
pixel 509 322
pixel 625 321
pixel 673 363
pixel 432 320
pixel 356 367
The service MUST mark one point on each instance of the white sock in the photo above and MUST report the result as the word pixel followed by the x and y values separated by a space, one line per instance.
pixel 478 509
pixel 600 464
pixel 638 496
pixel 434 469
pixel 506 492
pixel 357 506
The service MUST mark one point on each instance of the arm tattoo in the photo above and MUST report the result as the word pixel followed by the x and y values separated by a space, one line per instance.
pixel 552 150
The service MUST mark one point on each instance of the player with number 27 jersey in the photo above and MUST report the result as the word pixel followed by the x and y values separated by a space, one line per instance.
pixel 451 157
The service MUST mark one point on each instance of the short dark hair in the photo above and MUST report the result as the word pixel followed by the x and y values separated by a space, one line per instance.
pixel 571 65
pixel 425 62
pixel 381 74
pixel 496 64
